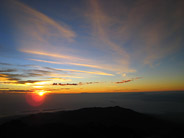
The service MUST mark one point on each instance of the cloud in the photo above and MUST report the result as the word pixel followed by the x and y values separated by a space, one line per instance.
pixel 15 91
pixel 80 83
pixel 25 75
pixel 87 83
pixel 95 82
pixel 8 70
pixel 6 79
pixel 138 31
pixel 58 76
pixel 76 64
pixel 76 61
pixel 13 76
pixel 123 81
pixel 70 71
pixel 154 28
pixel 129 80
pixel 29 81
pixel 38 72
pixel 88 72
pixel 65 84
pixel 42 24
pixel 120 36
pixel 6 64
pixel 37 30
pixel 58 72
pixel 9 78
pixel 102 25
pixel 35 75
pixel 53 55
pixel 40 35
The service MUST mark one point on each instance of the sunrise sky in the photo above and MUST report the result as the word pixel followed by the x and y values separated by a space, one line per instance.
pixel 91 45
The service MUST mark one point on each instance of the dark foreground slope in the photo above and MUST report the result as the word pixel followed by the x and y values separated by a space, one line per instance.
pixel 91 122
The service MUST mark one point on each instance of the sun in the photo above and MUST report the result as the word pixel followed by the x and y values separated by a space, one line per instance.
pixel 37 98
pixel 41 93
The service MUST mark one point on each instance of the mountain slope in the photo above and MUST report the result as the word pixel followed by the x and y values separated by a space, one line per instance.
pixel 91 122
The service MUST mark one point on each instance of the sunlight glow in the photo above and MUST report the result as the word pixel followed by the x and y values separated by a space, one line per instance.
pixel 41 93
pixel 36 98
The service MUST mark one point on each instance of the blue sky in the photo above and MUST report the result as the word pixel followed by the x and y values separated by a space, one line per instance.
pixel 92 41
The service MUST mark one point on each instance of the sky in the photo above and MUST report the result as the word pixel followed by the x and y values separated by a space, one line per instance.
pixel 91 46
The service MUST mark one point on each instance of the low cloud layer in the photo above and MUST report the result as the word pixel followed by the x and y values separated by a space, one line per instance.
pixel 129 80
pixel 89 83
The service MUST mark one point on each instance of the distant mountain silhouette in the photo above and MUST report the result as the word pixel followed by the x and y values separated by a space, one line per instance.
pixel 91 122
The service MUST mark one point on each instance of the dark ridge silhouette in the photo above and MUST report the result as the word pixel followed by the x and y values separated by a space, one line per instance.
pixel 92 122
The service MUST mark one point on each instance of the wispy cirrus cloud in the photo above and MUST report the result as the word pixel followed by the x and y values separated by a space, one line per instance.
pixel 69 72
pixel 152 27
pixel 138 31
pixel 38 31
pixel 76 61
pixel 70 63
pixel 43 36
pixel 102 24
pixel 88 72
pixel 54 55
pixel 41 24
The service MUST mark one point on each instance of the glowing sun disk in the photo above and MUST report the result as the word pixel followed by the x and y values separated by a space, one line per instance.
pixel 41 93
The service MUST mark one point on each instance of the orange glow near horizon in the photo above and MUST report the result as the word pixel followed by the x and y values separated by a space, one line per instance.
pixel 36 98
